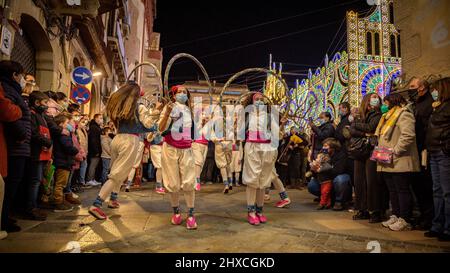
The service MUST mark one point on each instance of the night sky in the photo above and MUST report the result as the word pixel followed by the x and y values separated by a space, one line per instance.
pixel 308 26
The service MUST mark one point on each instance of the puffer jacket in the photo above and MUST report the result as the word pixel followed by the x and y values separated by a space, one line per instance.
pixel 18 133
pixel 438 133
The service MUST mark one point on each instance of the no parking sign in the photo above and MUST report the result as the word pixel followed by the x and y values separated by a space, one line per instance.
pixel 80 94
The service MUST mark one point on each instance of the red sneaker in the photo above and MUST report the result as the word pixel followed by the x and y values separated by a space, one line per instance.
pixel 283 203
pixel 262 218
pixel 97 213
pixel 176 219
pixel 113 204
pixel 161 191
pixel 253 220
pixel 191 223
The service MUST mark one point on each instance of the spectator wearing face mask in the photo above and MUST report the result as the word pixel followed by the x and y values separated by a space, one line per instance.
pixel 438 145
pixel 64 154
pixel 422 184
pixel 62 100
pixel 18 136
pixel 368 186
pixel 83 139
pixel 10 113
pixel 396 133
pixel 30 86
pixel 95 148
pixel 343 134
pixel 320 133
pixel 41 153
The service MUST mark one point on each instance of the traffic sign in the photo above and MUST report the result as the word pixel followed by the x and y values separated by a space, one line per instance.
pixel 80 94
pixel 82 75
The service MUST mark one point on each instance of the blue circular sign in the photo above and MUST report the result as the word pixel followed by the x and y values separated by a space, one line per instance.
pixel 82 75
pixel 80 94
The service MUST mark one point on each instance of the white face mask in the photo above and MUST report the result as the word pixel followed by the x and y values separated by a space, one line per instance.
pixel 351 118
pixel 22 83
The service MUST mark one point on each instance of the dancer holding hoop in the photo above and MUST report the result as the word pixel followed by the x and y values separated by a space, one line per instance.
pixel 259 160
pixel 131 119
pixel 177 156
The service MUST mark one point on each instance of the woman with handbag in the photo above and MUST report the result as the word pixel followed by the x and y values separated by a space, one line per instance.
pixel 397 158
pixel 438 145
pixel 367 183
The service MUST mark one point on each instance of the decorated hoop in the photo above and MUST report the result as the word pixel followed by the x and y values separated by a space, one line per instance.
pixel 196 61
pixel 261 70
pixel 150 101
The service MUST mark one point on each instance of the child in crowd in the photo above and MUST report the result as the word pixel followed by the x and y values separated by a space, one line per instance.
pixel 322 165
pixel 64 153
pixel 41 153
pixel 69 196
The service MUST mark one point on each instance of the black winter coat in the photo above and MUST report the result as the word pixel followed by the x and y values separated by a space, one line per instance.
pixel 64 152
pixel 368 126
pixel 438 135
pixel 338 164
pixel 38 141
pixel 422 112
pixel 320 134
pixel 94 140
pixel 18 133
pixel 339 131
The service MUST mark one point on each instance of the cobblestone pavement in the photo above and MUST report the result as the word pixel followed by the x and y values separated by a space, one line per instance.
pixel 142 224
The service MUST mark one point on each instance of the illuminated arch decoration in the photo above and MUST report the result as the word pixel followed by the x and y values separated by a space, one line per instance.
pixel 370 72
pixel 350 74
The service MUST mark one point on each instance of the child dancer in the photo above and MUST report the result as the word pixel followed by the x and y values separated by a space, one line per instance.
pixel 177 156
pixel 223 153
pixel 156 142
pixel 131 119
pixel 259 159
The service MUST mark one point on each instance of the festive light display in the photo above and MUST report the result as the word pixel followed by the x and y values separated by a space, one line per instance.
pixel 371 64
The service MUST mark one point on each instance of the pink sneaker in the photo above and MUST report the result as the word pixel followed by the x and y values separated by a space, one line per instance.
pixel 161 191
pixel 97 213
pixel 191 223
pixel 253 220
pixel 197 186
pixel 262 218
pixel 283 203
pixel 176 219
pixel 113 204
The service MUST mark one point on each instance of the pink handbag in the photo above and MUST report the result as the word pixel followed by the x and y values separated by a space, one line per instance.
pixel 382 155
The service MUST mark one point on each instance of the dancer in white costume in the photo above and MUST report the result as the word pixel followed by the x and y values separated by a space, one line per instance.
pixel 177 156
pixel 259 160
pixel 130 119
pixel 156 142
pixel 236 161
pixel 137 164
pixel 222 154
pixel 285 201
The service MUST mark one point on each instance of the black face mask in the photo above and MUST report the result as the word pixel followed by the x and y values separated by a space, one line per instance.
pixel 41 108
pixel 413 94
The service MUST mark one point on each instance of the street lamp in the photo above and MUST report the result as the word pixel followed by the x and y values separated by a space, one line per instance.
pixel 97 74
